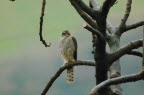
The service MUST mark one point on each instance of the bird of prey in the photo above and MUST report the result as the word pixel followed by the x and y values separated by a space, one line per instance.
pixel 68 50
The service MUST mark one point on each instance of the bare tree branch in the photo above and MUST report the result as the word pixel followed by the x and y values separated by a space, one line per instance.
pixel 96 6
pixel 96 32
pixel 118 80
pixel 124 50
pixel 133 26
pixel 123 27
pixel 84 7
pixel 126 28
pixel 41 24
pixel 57 74
pixel 136 53
pixel 127 13
pixel 107 5
pixel 84 15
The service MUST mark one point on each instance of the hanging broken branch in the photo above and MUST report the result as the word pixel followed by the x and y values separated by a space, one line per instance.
pixel 41 24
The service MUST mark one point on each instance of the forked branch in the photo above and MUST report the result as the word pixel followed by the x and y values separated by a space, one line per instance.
pixel 96 6
pixel 57 74
pixel 123 27
pixel 124 50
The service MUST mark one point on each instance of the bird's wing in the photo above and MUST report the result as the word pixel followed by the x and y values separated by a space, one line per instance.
pixel 75 46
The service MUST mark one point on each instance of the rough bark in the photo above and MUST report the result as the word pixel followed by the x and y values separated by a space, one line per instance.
pixel 115 68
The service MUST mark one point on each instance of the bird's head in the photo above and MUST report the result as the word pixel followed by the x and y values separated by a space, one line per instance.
pixel 66 33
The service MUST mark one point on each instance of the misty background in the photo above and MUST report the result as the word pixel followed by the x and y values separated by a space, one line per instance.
pixel 26 65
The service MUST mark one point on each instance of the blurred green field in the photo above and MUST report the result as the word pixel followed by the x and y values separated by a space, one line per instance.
pixel 19 21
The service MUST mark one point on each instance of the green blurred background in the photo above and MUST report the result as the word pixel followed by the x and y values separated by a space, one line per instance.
pixel 26 65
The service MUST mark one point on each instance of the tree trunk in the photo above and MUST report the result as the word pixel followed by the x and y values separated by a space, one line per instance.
pixel 100 57
pixel 115 68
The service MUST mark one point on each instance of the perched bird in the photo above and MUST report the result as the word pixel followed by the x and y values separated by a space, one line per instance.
pixel 68 50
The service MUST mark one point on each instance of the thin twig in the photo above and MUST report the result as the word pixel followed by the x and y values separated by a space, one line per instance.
pixel 127 13
pixel 136 53
pixel 133 26
pixel 41 24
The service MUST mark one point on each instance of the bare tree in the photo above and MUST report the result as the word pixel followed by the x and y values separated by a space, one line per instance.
pixel 103 32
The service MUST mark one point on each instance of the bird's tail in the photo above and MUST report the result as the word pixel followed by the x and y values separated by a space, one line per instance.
pixel 70 75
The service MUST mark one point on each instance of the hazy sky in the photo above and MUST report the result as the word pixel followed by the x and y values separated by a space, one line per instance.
pixel 26 65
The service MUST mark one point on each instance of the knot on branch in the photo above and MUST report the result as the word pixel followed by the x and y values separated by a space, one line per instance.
pixel 116 92
pixel 114 75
